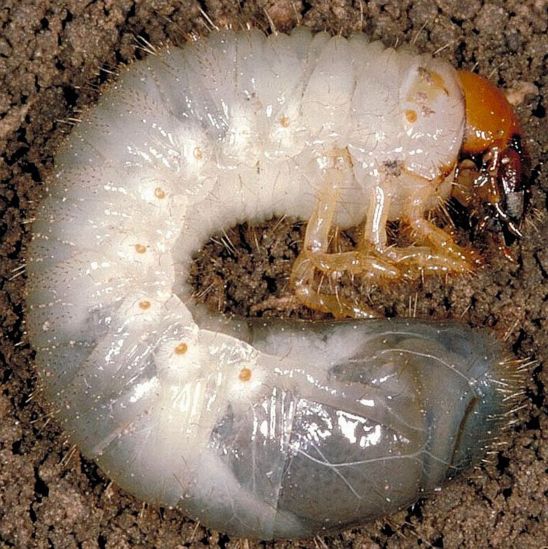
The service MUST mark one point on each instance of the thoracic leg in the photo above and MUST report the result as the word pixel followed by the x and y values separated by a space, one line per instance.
pixel 437 252
pixel 316 257
pixel 303 282
pixel 366 260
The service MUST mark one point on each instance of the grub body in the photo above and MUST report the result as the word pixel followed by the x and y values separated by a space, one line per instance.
pixel 234 422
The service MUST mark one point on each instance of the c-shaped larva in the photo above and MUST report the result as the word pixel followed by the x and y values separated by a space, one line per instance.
pixel 270 429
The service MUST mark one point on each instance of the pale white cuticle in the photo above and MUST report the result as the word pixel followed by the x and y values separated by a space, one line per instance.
pixel 236 127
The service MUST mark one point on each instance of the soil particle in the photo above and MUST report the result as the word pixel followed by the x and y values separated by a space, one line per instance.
pixel 54 56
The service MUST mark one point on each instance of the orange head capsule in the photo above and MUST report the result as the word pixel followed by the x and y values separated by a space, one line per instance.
pixel 490 119
pixel 492 135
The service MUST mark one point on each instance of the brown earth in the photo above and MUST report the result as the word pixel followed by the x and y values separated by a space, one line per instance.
pixel 51 53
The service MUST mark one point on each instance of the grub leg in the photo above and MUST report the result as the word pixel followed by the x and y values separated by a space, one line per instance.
pixel 436 252
pixel 316 258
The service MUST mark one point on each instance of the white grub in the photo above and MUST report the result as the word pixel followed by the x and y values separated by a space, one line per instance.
pixel 260 430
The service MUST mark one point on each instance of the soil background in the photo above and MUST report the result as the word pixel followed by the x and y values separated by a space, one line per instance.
pixel 55 55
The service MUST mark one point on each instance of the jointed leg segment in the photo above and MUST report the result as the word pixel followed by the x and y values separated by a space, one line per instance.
pixel 373 258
